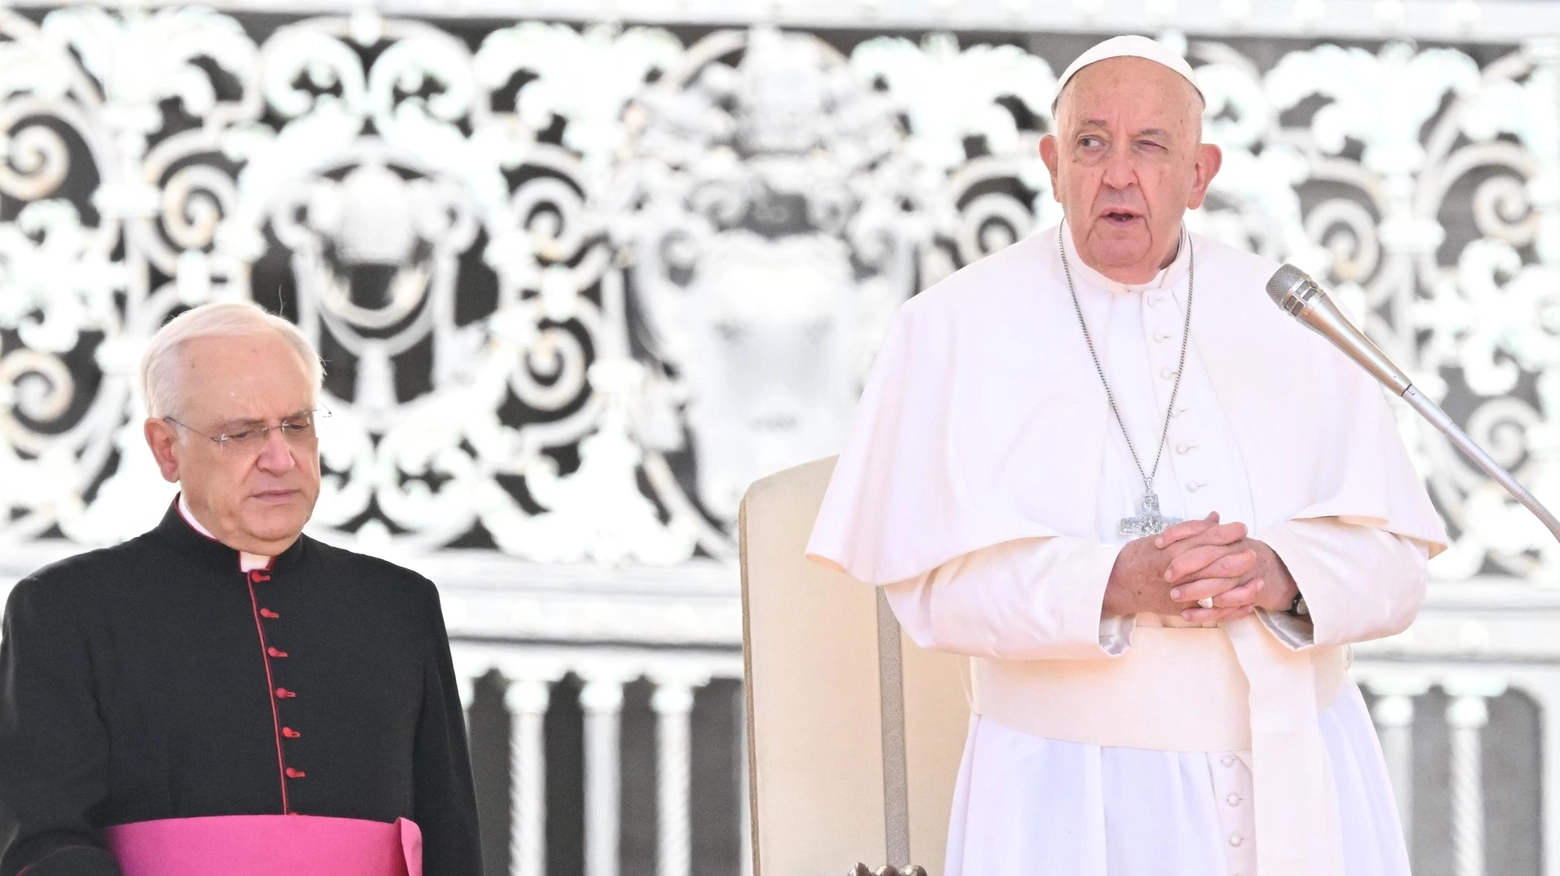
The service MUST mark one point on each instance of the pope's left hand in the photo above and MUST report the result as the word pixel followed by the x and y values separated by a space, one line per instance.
pixel 1241 576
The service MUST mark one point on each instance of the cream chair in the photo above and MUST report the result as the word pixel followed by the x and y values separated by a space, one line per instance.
pixel 852 749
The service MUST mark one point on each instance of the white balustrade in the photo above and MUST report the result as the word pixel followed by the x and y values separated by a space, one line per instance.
pixel 531 671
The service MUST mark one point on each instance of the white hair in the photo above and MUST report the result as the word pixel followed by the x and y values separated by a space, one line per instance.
pixel 160 370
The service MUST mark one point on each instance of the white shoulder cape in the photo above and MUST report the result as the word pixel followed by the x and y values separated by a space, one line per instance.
pixel 983 420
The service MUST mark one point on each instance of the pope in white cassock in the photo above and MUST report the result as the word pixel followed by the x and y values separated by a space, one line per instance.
pixel 1150 697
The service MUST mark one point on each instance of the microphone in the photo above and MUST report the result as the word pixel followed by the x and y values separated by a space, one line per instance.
pixel 1297 294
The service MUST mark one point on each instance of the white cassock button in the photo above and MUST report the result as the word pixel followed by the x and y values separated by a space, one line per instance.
pixel 1236 839
pixel 1227 760
pixel 1151 300
pixel 1192 487
pixel 1161 336
pixel 1178 412
pixel 1233 799
pixel 1184 449
pixel 1167 373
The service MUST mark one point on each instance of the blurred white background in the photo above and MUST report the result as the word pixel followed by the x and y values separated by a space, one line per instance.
pixel 581 271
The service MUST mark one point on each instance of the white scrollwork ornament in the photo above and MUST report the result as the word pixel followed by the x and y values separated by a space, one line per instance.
pixel 579 286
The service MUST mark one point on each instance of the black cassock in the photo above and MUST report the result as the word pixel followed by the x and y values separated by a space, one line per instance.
pixel 155 680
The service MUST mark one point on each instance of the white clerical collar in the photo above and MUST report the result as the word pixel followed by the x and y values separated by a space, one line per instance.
pixel 1167 278
pixel 246 561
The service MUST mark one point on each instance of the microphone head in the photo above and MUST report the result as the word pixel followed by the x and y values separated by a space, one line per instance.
pixel 1291 289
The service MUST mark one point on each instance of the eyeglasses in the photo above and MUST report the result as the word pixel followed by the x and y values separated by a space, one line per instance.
pixel 297 429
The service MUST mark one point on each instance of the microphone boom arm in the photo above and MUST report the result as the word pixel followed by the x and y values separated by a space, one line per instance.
pixel 1300 296
pixel 1439 419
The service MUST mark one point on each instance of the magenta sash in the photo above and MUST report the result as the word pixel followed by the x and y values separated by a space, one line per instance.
pixel 266 845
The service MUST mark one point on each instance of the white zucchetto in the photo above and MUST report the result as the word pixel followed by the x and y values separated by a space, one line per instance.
pixel 1130 46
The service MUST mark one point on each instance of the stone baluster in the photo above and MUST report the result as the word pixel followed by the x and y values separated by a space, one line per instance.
pixel 602 702
pixel 673 703
pixel 1393 713
pixel 526 701
pixel 1467 713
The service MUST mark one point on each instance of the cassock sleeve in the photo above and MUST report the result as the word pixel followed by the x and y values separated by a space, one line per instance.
pixel 1028 599
pixel 1359 582
pixel 445 802
pixel 53 746
pixel 1040 599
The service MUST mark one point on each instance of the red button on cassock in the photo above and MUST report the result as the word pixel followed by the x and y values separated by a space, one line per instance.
pixel 283 693
pixel 295 774
pixel 275 652
pixel 266 612
pixel 290 733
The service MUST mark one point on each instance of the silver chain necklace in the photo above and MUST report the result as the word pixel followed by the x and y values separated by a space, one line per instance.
pixel 1148 521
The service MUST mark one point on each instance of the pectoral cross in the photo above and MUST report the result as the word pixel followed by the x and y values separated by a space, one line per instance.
pixel 1148 521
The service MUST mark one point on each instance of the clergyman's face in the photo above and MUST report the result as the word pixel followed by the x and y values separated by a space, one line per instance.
pixel 1126 163
pixel 256 499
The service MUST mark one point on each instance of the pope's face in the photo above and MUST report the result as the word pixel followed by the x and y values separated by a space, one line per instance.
pixel 253 499
pixel 1126 163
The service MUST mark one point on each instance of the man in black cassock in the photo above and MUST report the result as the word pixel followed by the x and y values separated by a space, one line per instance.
pixel 224 664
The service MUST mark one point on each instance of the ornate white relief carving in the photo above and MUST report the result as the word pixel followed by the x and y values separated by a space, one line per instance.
pixel 1439 20
pixel 758 219
pixel 579 286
